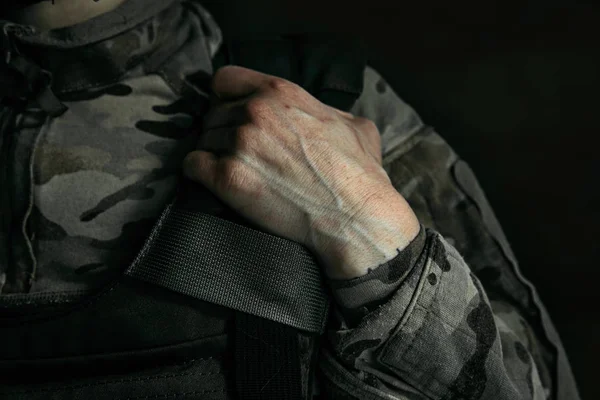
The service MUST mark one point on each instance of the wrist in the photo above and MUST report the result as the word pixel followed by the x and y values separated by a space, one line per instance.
pixel 372 238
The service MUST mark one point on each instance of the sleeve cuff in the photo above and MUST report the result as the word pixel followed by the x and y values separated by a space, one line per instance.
pixel 357 297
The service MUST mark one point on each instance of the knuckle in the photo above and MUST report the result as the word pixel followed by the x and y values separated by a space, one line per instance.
pixel 368 127
pixel 366 124
pixel 287 89
pixel 280 85
pixel 257 107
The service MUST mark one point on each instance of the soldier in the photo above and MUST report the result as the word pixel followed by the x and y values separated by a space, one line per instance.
pixel 429 299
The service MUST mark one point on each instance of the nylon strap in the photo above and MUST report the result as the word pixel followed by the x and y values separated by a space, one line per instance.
pixel 221 262
pixel 267 360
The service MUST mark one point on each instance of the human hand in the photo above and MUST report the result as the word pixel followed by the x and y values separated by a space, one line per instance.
pixel 301 170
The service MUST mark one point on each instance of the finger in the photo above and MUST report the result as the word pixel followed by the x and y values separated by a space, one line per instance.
pixel 219 141
pixel 226 114
pixel 233 82
pixel 342 113
pixel 201 166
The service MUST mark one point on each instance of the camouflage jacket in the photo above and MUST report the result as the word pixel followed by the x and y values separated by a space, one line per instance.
pixel 450 317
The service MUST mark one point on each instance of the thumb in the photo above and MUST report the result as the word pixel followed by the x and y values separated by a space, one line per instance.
pixel 233 82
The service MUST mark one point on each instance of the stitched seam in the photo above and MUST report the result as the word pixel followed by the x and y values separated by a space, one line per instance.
pixel 164 396
pixel 79 307
pixel 460 330
pixel 116 29
pixel 456 329
pixel 140 379
pixel 42 302
pixel 31 201
pixel 337 376
pixel 406 146
pixel 93 85
pixel 408 375
pixel 414 302
pixel 428 311
pixel 417 334
pixel 161 72
pixel 406 316
pixel 440 317
pixel 89 302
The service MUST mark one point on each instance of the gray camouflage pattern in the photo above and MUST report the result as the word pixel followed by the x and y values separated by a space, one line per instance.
pixel 451 317
pixel 101 181
pixel 103 171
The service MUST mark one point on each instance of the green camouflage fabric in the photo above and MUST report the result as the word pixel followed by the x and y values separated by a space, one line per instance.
pixel 450 317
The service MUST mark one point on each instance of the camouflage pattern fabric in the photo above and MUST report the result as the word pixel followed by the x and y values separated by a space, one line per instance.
pixel 450 317
pixel 103 171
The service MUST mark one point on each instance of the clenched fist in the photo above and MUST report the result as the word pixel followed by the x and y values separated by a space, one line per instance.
pixel 301 170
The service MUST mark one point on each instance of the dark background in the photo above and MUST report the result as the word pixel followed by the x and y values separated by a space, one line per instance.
pixel 514 88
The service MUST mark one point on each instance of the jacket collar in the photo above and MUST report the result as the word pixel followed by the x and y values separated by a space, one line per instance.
pixel 136 36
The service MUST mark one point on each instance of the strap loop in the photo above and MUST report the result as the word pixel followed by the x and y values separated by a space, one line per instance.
pixel 222 262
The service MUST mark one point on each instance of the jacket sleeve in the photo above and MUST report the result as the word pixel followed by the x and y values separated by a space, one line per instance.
pixel 424 320
pixel 451 316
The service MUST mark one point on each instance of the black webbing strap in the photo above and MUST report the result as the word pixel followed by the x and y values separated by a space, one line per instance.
pixel 218 261
pixel 331 70
pixel 273 283
pixel 267 360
